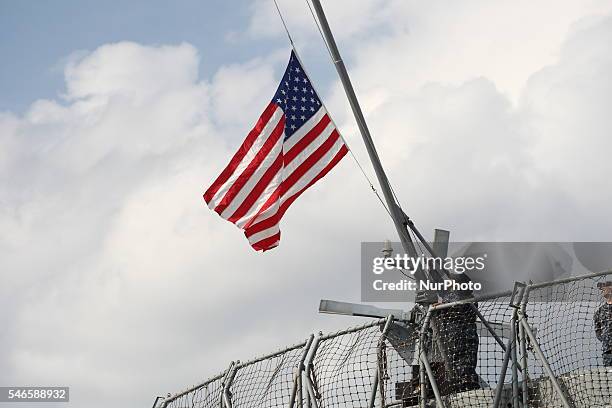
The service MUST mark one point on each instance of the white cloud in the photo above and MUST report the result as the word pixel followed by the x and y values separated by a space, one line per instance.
pixel 117 268
pixel 107 240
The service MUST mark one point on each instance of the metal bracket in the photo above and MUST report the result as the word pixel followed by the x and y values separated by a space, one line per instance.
pixel 156 401
pixel 517 294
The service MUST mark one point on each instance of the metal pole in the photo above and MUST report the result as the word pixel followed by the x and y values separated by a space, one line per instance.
pixel 379 376
pixel 308 404
pixel 156 399
pixel 488 327
pixel 504 368
pixel 432 381
pixel 307 367
pixel 372 400
pixel 515 386
pixel 396 213
pixel 300 391
pixel 422 384
pixel 523 339
pixel 542 357
pixel 425 363
pixel 227 399
pixel 225 377
pixel 297 377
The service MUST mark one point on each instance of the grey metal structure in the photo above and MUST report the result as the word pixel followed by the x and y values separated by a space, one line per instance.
pixel 551 354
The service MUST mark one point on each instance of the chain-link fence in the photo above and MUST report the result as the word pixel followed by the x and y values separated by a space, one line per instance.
pixel 535 346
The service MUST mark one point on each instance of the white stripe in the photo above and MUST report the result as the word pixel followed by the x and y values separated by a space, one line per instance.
pixel 308 150
pixel 314 170
pixel 261 235
pixel 248 158
pixel 305 128
pixel 268 191
pixel 290 168
pixel 255 177
pixel 303 181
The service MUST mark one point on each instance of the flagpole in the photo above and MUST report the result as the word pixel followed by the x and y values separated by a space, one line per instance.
pixel 399 220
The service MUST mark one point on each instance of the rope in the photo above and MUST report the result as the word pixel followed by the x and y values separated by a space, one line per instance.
pixel 320 32
pixel 368 180
pixel 284 25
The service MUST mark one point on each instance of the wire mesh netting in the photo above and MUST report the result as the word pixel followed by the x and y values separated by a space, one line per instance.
pixel 382 363
pixel 344 367
pixel 562 316
pixel 207 395
pixel 267 382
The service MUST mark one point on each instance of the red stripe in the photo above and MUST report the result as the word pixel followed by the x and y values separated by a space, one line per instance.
pixel 253 165
pixel 242 151
pixel 341 153
pixel 299 172
pixel 257 190
pixel 274 219
pixel 267 243
pixel 307 139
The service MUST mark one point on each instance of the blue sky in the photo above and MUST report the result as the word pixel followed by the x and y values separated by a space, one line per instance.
pixel 37 36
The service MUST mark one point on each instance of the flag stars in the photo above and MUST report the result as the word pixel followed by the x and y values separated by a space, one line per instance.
pixel 300 100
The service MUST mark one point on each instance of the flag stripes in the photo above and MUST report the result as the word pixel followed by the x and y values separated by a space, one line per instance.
pixel 293 145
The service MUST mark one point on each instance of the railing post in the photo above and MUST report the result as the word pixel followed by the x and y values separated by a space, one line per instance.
pixel 297 377
pixel 544 361
pixel 514 356
pixel 308 368
pixel 422 384
pixel 425 362
pixel 517 296
pixel 377 373
pixel 372 399
pixel 156 400
pixel 523 340
pixel 226 399
pixel 504 368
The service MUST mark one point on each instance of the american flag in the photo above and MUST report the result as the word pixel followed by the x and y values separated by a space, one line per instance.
pixel 293 144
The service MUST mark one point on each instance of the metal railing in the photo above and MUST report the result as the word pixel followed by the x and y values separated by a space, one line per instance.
pixel 538 349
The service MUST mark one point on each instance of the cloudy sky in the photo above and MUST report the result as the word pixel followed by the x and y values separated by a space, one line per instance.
pixel 492 119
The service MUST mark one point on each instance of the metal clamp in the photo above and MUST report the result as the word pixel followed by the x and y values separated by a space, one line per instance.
pixel 517 294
